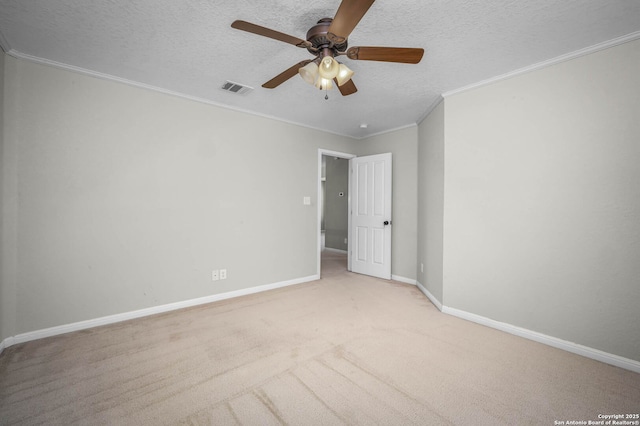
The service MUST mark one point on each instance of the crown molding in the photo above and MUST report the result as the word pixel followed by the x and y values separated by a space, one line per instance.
pixel 562 58
pixel 384 132
pixel 433 106
pixel 576 54
pixel 19 55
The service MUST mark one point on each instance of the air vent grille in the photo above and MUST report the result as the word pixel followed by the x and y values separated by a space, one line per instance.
pixel 230 86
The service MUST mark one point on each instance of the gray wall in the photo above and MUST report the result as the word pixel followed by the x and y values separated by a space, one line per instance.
pixel 128 198
pixel 9 214
pixel 542 201
pixel 403 145
pixel 336 219
pixel 431 201
pixel 3 325
pixel 115 198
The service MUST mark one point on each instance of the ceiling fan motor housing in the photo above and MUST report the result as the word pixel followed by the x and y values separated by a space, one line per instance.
pixel 319 40
pixel 326 40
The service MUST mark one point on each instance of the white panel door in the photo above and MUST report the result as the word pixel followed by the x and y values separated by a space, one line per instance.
pixel 370 250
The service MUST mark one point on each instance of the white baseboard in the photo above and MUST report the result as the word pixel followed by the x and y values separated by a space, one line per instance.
pixel 430 296
pixel 403 279
pixel 598 355
pixel 111 319
pixel 578 349
pixel 9 341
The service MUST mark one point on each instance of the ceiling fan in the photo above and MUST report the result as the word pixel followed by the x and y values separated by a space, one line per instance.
pixel 327 40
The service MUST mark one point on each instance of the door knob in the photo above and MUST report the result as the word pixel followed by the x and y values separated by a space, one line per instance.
pixel 386 222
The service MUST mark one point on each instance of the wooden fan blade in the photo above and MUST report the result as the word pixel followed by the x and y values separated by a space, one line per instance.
pixel 348 88
pixel 407 55
pixel 285 75
pixel 347 17
pixel 266 32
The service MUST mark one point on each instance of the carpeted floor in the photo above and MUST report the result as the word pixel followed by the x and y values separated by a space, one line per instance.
pixel 346 349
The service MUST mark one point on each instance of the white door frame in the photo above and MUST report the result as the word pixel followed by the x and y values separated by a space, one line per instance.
pixel 347 156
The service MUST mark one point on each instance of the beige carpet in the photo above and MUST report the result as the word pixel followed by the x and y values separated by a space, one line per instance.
pixel 347 349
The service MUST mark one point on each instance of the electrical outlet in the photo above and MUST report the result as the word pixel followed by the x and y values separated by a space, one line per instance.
pixel 223 274
pixel 345 241
pixel 215 275
pixel 422 267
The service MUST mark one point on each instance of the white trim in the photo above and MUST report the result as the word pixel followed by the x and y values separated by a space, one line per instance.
pixel 111 319
pixel 585 351
pixel 430 296
pixel 338 154
pixel 598 355
pixel 547 63
pixel 19 55
pixel 403 279
pixel 572 55
pixel 330 153
pixel 383 132
pixel 9 341
pixel 431 108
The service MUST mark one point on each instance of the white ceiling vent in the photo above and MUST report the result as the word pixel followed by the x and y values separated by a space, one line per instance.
pixel 230 86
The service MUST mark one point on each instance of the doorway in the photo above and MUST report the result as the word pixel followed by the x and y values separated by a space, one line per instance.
pixel 333 209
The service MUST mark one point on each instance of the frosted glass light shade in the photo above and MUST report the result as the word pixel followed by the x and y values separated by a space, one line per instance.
pixel 344 74
pixel 324 84
pixel 309 72
pixel 328 68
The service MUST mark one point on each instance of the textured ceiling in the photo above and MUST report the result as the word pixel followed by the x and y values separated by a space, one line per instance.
pixel 188 47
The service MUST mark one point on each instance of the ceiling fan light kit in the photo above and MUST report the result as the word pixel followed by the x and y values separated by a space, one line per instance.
pixel 324 84
pixel 326 73
pixel 344 74
pixel 328 68
pixel 309 72
pixel 328 39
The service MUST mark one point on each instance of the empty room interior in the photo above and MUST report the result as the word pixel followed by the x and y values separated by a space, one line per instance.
pixel 192 234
